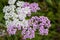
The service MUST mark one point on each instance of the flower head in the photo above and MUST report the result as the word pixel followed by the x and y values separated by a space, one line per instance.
pixel 11 1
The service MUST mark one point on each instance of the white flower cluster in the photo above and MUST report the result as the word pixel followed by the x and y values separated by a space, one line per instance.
pixel 16 14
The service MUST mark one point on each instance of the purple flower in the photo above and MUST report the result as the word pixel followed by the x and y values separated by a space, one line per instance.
pixel 43 31
pixel 18 27
pixel 26 4
pixel 28 33
pixel 29 14
pixel 11 29
pixel 34 7
pixel 46 31
pixel 45 21
pixel 42 23
pixel 35 26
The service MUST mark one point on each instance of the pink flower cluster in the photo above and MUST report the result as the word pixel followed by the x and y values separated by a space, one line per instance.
pixel 28 27
pixel 41 23
pixel 28 33
pixel 33 6
pixel 12 29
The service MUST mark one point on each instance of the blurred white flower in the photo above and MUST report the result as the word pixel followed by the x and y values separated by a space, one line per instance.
pixel 20 3
pixel 7 22
pixel 6 16
pixel 24 24
pixel 11 1
pixel 6 9
pixel 26 10
pixel 9 8
pixel 22 16
pixel 16 15
pixel 10 15
pixel 12 7
pixel 19 10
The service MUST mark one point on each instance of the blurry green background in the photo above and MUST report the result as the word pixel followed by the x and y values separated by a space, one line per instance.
pixel 49 8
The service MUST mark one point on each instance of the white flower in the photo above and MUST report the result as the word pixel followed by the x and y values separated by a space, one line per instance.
pixel 12 7
pixel 9 8
pixel 26 10
pixel 25 24
pixel 10 15
pixel 19 10
pixel 7 22
pixel 16 15
pixel 6 9
pixel 6 16
pixel 20 3
pixel 15 21
pixel 22 16
pixel 11 1
pixel 13 15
